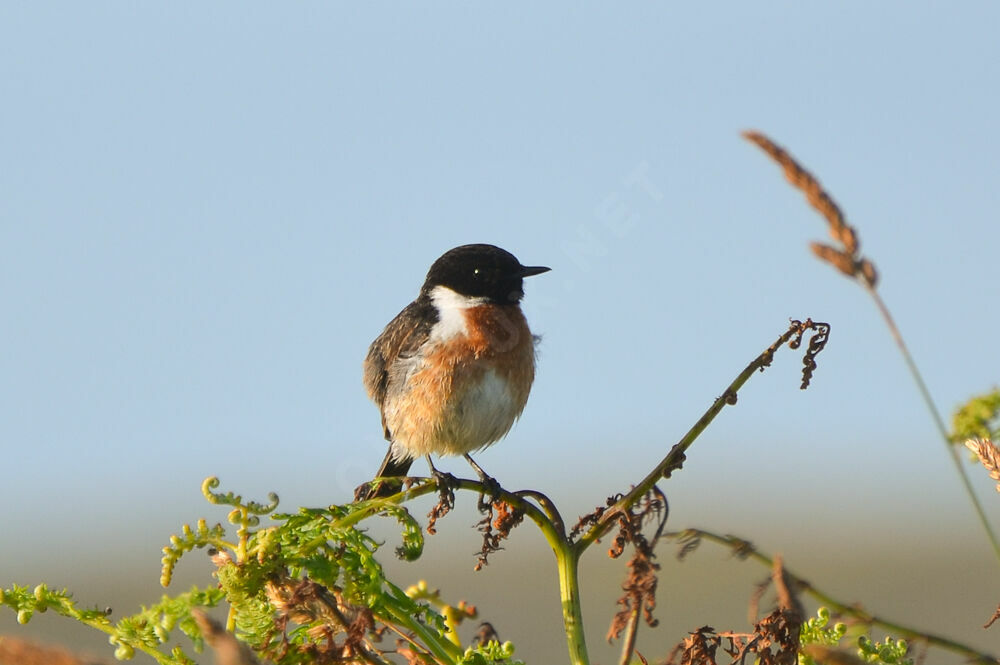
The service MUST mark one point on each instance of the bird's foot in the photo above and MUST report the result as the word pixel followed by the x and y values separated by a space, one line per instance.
pixel 491 488
pixel 445 481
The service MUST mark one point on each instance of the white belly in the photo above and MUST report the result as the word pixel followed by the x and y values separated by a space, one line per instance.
pixel 482 416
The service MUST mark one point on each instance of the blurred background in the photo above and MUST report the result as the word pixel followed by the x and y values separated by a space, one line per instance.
pixel 207 212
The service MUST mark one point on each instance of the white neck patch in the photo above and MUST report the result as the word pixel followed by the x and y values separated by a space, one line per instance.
pixel 451 307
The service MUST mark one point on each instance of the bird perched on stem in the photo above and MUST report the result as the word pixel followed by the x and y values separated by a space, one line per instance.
pixel 452 372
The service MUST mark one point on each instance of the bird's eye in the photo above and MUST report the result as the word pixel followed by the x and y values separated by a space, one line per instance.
pixel 476 272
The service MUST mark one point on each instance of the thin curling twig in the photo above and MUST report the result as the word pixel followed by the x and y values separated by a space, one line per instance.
pixel 849 261
pixel 676 456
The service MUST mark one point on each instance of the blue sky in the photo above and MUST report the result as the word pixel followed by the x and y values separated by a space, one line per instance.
pixel 207 212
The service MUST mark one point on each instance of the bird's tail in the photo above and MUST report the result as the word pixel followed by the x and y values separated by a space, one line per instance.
pixel 392 467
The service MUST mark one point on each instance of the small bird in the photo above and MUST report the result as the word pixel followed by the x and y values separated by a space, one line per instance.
pixel 452 372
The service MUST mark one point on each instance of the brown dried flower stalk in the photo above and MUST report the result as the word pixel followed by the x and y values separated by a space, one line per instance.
pixel 989 456
pixel 847 260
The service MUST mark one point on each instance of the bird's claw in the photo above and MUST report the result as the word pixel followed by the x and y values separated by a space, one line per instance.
pixel 445 486
pixel 491 488
pixel 444 479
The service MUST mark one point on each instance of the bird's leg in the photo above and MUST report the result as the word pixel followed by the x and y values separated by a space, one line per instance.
pixel 493 488
pixel 443 480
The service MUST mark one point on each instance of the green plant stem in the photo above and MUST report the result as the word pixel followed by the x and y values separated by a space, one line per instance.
pixel 744 549
pixel 567 560
pixel 444 650
pixel 551 526
pixel 109 628
pixel 936 415
pixel 567 563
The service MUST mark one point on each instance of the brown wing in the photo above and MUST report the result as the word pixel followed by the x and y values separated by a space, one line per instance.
pixel 401 339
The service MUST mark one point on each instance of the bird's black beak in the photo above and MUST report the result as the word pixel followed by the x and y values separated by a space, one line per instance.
pixel 529 271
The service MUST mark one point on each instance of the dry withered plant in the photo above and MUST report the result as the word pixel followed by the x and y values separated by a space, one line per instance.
pixel 641 580
pixel 775 639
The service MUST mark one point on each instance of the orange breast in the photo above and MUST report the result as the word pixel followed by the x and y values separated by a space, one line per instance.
pixel 466 391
